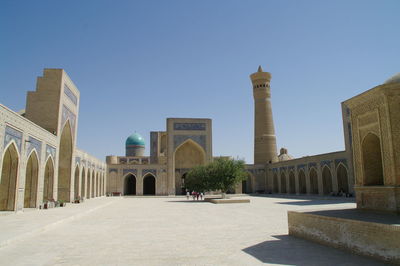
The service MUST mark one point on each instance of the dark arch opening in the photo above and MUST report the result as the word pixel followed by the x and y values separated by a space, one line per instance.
pixel 183 184
pixel 292 183
pixel 302 182
pixel 244 186
pixel 313 181
pixel 283 183
pixel 89 181
pixel 76 183
pixel 372 161
pixel 31 181
pixel 342 178
pixel 327 181
pixel 83 182
pixel 8 184
pixel 130 185
pixel 276 186
pixel 149 185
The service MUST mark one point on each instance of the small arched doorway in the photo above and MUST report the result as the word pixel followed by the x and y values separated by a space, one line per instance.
pixel 149 185
pixel 276 185
pixel 302 182
pixel 327 180
pixel 8 184
pixel 313 181
pixel 130 185
pixel 292 183
pixel 48 180
pixel 372 160
pixel 283 183
pixel 31 181
pixel 342 178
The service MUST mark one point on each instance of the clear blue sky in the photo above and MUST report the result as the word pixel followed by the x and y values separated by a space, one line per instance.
pixel 138 62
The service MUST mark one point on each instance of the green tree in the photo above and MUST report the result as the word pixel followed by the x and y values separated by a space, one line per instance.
pixel 222 174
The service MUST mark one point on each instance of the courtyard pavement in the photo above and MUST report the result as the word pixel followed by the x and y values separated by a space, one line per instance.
pixel 167 231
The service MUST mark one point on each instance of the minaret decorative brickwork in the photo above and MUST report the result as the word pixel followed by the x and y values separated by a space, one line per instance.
pixel 264 132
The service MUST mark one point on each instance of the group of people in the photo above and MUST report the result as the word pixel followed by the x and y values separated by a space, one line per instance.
pixel 195 195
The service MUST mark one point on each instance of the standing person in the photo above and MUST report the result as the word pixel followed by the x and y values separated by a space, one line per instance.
pixel 194 195
pixel 197 195
pixel 187 194
pixel 201 196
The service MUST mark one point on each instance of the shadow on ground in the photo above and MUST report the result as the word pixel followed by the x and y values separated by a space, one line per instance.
pixel 289 250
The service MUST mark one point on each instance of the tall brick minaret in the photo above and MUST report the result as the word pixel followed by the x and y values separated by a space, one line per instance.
pixel 264 132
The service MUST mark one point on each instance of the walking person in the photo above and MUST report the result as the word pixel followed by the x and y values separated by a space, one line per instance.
pixel 187 194
pixel 197 195
pixel 201 196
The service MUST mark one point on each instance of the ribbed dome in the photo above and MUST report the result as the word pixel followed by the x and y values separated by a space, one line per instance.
pixel 394 79
pixel 134 139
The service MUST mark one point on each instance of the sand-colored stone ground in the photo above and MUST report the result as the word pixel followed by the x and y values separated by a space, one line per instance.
pixel 166 231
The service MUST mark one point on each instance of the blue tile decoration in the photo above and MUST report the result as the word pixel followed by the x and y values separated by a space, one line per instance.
pixel 113 170
pixel 282 168
pixel 325 162
pixel 350 137
pixel 291 167
pixel 132 171
pixel 13 134
pixel 199 139
pixel 343 161
pixel 122 160
pixel 301 166
pixel 312 165
pixel 33 143
pixel 274 170
pixel 77 160
pixel 70 94
pixel 50 151
pixel 67 114
pixel 151 171
pixel 189 126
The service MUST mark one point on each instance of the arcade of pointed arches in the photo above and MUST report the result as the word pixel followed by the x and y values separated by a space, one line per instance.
pixel 38 176
pixel 307 180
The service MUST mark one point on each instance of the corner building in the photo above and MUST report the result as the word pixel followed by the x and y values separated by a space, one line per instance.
pixel 39 158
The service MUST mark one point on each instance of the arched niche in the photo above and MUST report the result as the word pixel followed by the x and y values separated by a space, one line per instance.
pixel 327 180
pixel 149 185
pixel 8 181
pixel 283 183
pixel 65 163
pixel 48 183
pixel 31 181
pixel 76 182
pixel 83 182
pixel 292 183
pixel 89 184
pixel 302 182
pixel 342 179
pixel 313 181
pixel 129 185
pixel 276 185
pixel 372 160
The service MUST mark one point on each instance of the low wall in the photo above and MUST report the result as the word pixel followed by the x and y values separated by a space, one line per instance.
pixel 378 240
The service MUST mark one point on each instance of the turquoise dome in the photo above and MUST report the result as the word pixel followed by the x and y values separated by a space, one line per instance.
pixel 134 139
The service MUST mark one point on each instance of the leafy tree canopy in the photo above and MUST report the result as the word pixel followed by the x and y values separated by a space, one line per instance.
pixel 222 174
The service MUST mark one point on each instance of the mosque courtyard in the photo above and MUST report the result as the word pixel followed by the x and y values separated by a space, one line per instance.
pixel 167 231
